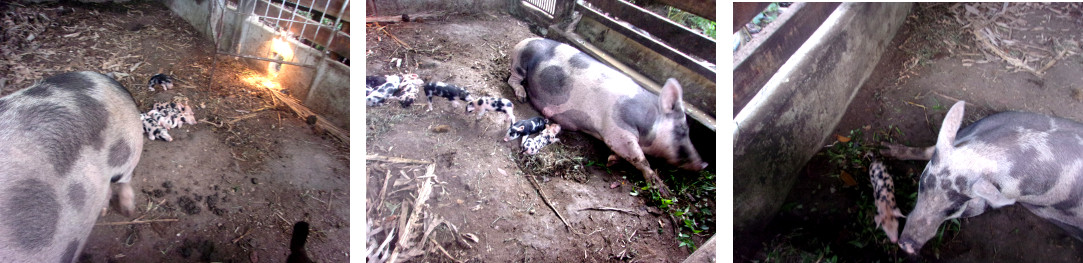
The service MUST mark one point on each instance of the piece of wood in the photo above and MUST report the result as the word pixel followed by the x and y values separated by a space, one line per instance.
pixel 305 112
pixel 757 62
pixel 136 222
pixel 674 35
pixel 744 12
pixel 611 209
pixel 390 159
pixel 702 8
pixel 545 200
pixel 391 19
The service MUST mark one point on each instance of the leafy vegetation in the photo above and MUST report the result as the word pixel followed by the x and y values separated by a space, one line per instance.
pixel 695 217
pixel 691 21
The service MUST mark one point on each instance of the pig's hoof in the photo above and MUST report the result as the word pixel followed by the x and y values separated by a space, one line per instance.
pixel 612 160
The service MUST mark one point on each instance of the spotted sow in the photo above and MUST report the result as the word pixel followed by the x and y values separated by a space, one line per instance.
pixel 62 141
pixel 1006 158
pixel 582 94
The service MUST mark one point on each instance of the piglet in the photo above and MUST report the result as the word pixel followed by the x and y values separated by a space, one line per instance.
pixel 448 91
pixel 548 136
pixel 484 104
pixel 160 79
pixel 526 127
pixel 883 189
pixel 62 141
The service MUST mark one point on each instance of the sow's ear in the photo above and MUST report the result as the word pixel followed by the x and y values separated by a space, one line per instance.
pixel 671 96
pixel 946 140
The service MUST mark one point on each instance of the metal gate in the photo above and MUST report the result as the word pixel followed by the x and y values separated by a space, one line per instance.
pixel 319 24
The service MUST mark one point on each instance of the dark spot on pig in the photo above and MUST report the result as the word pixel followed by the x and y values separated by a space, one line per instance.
pixel 535 52
pixel 38 91
pixel 1036 184
pixel 1068 204
pixel 115 178
pixel 76 195
pixel 94 119
pixel 61 133
pixel 960 183
pixel 957 200
pixel 550 87
pixel 30 214
pixel 581 60
pixel 945 183
pixel 119 153
pixel 575 120
pixel 682 153
pixel 69 252
pixel 638 115
pixel 927 180
pixel 72 81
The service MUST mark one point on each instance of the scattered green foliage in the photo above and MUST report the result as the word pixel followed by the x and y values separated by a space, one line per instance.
pixel 694 217
pixel 691 21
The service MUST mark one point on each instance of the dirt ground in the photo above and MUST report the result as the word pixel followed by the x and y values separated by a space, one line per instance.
pixel 228 189
pixel 483 185
pixel 933 62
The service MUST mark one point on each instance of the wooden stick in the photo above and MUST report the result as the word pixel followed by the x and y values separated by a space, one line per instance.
pixel 389 159
pixel 242 236
pixel 442 250
pixel 546 201
pixel 136 222
pixel 611 209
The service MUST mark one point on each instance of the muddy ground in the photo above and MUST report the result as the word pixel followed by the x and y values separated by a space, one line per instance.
pixel 227 189
pixel 483 185
pixel 932 63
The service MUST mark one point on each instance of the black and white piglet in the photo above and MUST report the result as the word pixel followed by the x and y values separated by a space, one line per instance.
pixel 376 93
pixel 548 136
pixel 484 104
pixel 448 91
pixel 160 79
pixel 526 127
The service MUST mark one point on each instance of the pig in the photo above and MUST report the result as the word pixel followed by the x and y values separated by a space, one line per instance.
pixel 374 82
pixel 156 125
pixel 484 104
pixel 582 94
pixel 548 136
pixel 526 127
pixel 160 79
pixel 1006 158
pixel 883 192
pixel 448 91
pixel 409 89
pixel 178 112
pixel 383 92
pixel 63 140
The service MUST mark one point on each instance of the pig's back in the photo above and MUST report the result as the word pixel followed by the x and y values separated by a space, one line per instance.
pixel 574 89
pixel 62 142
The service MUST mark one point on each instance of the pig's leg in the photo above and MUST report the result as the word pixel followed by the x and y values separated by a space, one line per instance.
pixel 626 146
pixel 511 117
pixel 907 153
pixel 481 111
pixel 126 198
pixel 516 82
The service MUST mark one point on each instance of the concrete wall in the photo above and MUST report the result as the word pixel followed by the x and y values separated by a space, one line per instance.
pixel 324 87
pixel 790 119
pixel 398 7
